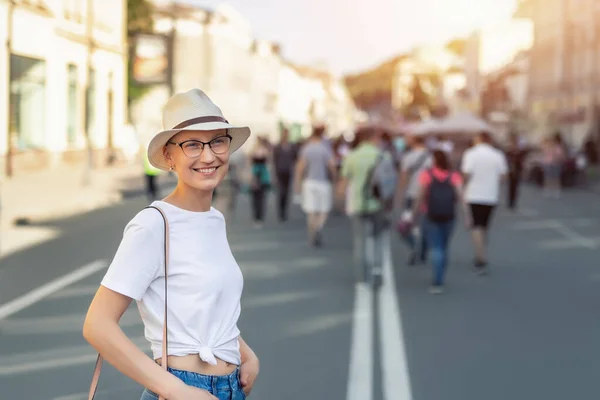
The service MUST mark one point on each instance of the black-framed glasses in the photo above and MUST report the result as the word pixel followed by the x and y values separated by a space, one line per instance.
pixel 193 148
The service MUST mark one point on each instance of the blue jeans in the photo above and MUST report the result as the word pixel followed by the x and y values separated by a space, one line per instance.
pixel 438 235
pixel 226 387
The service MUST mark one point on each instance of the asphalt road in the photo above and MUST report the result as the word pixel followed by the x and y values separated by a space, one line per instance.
pixel 527 331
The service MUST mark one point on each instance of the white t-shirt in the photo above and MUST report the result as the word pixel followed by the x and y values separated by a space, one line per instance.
pixel 204 287
pixel 485 166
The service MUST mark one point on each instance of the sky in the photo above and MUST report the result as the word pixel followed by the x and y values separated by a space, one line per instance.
pixel 349 36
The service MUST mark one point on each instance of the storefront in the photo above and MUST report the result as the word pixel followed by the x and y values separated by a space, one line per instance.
pixel 27 102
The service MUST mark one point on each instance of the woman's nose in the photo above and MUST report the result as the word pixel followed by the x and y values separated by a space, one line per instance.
pixel 207 155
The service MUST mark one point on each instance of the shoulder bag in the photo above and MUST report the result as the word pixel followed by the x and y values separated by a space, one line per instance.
pixel 98 367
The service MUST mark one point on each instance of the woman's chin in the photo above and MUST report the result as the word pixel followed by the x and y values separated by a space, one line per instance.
pixel 204 185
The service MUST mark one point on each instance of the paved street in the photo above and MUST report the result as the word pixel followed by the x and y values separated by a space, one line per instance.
pixel 527 331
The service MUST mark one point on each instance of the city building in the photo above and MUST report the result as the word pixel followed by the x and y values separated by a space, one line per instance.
pixel 492 51
pixel 563 91
pixel 440 74
pixel 67 85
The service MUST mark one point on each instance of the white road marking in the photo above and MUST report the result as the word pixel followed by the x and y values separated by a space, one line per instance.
pixel 311 326
pixel 65 323
pixel 47 289
pixel 534 225
pixel 15 364
pixel 396 380
pixel 570 244
pixel 572 239
pixel 77 291
pixel 575 237
pixel 279 298
pixel 529 212
pixel 360 375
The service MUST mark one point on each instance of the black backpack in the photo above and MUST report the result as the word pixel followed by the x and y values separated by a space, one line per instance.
pixel 441 199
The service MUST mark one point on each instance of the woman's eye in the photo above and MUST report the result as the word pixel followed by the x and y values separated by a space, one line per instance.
pixel 192 145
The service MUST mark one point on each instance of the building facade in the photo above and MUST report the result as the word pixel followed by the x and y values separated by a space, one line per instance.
pixel 563 91
pixel 215 50
pixel 62 88
pixel 440 74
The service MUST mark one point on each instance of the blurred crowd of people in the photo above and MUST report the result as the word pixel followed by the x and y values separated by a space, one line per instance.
pixel 415 184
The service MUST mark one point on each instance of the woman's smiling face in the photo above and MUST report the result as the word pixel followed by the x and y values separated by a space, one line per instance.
pixel 196 164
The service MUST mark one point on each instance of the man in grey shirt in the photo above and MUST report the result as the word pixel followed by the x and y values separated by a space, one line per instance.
pixel 415 161
pixel 315 173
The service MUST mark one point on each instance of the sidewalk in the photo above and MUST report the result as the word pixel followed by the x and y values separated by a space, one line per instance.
pixel 61 192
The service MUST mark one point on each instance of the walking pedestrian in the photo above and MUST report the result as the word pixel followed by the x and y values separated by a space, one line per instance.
pixel 416 160
pixel 366 211
pixel 260 181
pixel 151 174
pixel 515 157
pixel 314 176
pixel 554 156
pixel 484 169
pixel 190 259
pixel 284 158
pixel 440 189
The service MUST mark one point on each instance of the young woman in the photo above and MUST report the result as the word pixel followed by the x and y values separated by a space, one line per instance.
pixel 207 357
pixel 439 190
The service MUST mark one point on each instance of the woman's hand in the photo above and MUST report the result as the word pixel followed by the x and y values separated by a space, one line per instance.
pixel 186 392
pixel 248 373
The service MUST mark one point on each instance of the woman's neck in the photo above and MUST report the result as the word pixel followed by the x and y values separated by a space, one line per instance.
pixel 190 199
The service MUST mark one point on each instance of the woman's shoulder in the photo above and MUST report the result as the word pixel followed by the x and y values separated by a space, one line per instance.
pixel 147 219
pixel 456 178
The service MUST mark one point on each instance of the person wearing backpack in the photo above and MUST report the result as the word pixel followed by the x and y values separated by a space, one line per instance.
pixel 417 160
pixel 440 189
pixel 368 177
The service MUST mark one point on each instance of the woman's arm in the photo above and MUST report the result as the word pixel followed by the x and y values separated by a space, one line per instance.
pixel 101 329
pixel 246 352
pixel 250 366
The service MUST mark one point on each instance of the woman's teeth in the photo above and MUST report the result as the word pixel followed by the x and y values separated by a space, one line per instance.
pixel 205 170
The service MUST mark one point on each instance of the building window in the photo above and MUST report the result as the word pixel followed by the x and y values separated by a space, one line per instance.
pixel 27 102
pixel 72 104
pixel 90 109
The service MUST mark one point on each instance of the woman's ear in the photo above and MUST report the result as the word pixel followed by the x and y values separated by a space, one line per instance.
pixel 167 155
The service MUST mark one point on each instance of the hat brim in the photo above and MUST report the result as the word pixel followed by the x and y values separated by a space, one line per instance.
pixel 239 135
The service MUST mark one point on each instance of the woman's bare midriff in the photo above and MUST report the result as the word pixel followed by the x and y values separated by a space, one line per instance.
pixel 193 363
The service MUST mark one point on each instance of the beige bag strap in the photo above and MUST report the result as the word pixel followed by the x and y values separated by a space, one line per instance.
pixel 98 367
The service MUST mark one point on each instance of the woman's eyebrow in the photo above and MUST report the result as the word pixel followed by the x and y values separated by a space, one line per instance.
pixel 219 134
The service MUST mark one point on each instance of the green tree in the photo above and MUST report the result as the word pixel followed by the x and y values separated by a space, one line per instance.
pixel 139 17
pixel 139 20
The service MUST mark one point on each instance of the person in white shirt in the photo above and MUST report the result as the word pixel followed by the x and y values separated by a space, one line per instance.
pixel 207 357
pixel 484 169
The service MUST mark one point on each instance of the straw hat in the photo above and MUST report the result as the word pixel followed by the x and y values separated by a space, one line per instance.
pixel 192 111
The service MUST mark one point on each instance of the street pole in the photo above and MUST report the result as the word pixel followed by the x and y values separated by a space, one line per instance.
pixel 9 147
pixel 87 177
